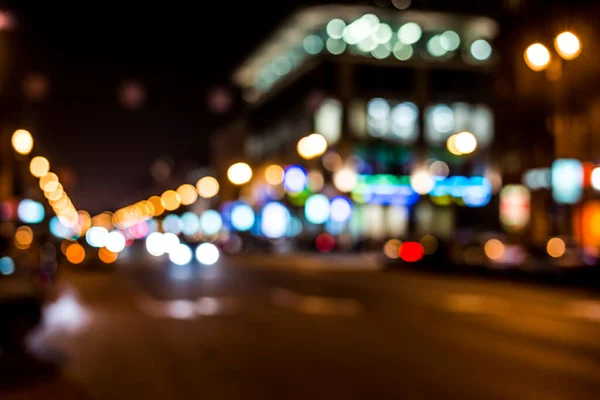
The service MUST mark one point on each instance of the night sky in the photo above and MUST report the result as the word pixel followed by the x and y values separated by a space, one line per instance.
pixel 86 50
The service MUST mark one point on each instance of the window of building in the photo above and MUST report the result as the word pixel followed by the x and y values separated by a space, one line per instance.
pixel 443 120
pixel 328 120
pixel 398 122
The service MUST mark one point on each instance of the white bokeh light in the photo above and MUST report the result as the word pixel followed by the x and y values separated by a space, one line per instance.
pixel 242 217
pixel 115 242
pixel 96 236
pixel 317 209
pixel 207 254
pixel 341 209
pixel 155 244
pixel 275 220
pixel 181 254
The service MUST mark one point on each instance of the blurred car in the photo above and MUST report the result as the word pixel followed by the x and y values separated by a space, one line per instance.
pixel 21 298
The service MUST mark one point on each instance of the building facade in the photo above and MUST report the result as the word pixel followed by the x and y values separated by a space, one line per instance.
pixel 386 89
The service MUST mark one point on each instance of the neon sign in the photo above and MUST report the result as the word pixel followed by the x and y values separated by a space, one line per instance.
pixel 567 181
pixel 475 191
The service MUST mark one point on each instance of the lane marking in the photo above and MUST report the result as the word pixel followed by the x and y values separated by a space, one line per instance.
pixel 188 309
pixel 316 305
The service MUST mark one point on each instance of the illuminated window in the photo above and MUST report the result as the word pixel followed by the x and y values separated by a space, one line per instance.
pixel 328 120
pixel 405 122
pixel 439 123
pixel 483 125
pixel 378 117
pixel 397 221
pixel 358 118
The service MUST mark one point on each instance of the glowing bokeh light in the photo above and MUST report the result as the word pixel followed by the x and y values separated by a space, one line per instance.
pixel 22 142
pixel 465 143
pixel 341 209
pixel 345 179
pixel 172 223
pixel 274 175
pixel 75 254
pixel 7 266
pixel 107 256
pixel 537 57
pixel 97 236
pixel 242 217
pixel 411 252
pixel 494 249
pixel 155 244
pixel 275 220
pixel 481 50
pixel 31 212
pixel 207 254
pixel 115 242
pixel 190 224
pixel 207 187
pixel 211 222
pixel 170 241
pixel 188 194
pixel 556 247
pixel 317 209
pixel 239 173
pixel 295 179
pixel 170 200
pixel 422 182
pixel 325 243
pixel 391 249
pixel 410 33
pixel 567 45
pixel 39 166
pixel 181 254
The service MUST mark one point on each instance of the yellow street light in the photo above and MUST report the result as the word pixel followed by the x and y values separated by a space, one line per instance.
pixel 274 174
pixel 567 45
pixel 312 146
pixel 451 145
pixel 239 173
pixel 39 166
pixel 207 187
pixel 537 57
pixel 22 142
pixel 188 194
pixel 466 143
pixel 170 200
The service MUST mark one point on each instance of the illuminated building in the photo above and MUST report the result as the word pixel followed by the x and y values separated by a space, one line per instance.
pixel 386 89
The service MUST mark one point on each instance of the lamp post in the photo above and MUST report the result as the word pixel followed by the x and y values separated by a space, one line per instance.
pixel 538 57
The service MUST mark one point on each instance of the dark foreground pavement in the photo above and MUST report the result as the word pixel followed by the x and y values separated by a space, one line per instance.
pixel 233 332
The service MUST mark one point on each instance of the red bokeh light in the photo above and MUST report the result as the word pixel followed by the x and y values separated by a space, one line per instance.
pixel 411 252
pixel 325 243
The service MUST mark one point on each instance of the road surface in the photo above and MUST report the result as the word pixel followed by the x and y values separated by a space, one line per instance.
pixel 232 332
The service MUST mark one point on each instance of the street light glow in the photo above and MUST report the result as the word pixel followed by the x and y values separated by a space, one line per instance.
pixel 39 166
pixel 537 57
pixel 22 142
pixel 312 146
pixel 208 187
pixel 239 173
pixel 465 143
pixel 567 45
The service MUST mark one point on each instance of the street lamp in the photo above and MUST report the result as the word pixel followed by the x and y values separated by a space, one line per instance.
pixel 239 173
pixel 462 144
pixel 537 57
pixel 22 142
pixel 312 146
pixel 567 45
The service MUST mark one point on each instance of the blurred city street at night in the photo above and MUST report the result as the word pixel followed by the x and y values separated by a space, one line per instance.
pixel 313 199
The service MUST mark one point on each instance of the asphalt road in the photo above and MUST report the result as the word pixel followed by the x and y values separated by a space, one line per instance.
pixel 233 332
